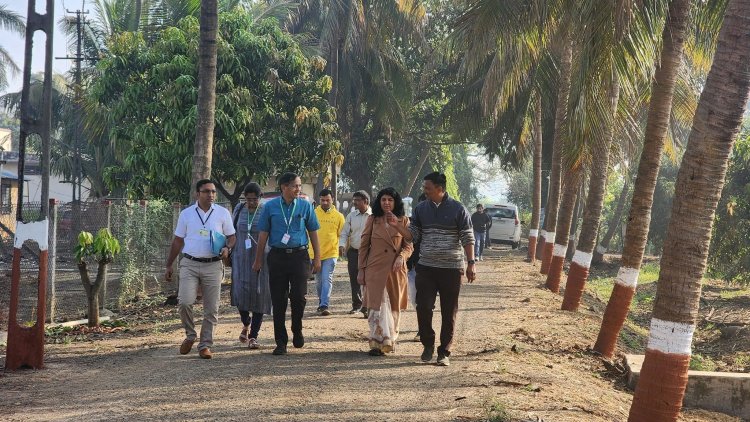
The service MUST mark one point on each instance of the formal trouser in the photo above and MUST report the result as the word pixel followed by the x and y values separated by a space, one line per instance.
pixel 208 276
pixel 487 241
pixel 430 281
pixel 287 275
pixel 478 243
pixel 352 256
pixel 324 279
pixel 253 321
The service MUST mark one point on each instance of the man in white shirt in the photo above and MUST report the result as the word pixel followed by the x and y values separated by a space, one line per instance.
pixel 199 265
pixel 351 236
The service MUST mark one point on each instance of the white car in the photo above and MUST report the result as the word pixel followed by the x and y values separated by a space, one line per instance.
pixel 506 228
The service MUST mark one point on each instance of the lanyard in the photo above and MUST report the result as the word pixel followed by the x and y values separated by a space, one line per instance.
pixel 207 217
pixel 250 222
pixel 288 221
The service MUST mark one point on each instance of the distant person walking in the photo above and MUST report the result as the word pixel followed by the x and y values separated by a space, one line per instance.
pixel 290 226
pixel 331 224
pixel 386 245
pixel 481 222
pixel 199 266
pixel 251 293
pixel 442 227
pixel 350 241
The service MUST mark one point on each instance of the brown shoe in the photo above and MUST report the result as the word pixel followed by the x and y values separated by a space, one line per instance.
pixel 205 353
pixel 186 346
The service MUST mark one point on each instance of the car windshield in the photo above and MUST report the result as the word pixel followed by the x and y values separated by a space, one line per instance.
pixel 501 212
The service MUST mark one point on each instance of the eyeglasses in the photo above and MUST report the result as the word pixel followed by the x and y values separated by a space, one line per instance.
pixel 207 191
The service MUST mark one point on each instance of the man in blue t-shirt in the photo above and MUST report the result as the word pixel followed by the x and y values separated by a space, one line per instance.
pixel 289 225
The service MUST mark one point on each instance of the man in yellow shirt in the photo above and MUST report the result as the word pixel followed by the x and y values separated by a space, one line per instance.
pixel 331 223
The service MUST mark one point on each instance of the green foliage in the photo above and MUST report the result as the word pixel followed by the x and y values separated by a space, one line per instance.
pixel 699 362
pixel 102 248
pixel 497 412
pixel 520 186
pixel 729 254
pixel 271 111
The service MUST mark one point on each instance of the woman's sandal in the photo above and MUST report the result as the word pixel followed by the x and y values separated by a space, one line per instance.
pixel 243 335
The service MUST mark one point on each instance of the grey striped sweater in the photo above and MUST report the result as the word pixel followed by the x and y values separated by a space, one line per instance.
pixel 442 232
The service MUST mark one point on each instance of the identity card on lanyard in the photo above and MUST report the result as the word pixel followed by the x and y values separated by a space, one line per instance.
pixel 249 241
pixel 288 221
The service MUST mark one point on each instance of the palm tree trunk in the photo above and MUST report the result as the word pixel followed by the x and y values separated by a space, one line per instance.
pixel 673 37
pixel 553 199
pixel 581 261
pixel 572 239
pixel 204 133
pixel 536 202
pixel 614 223
pixel 661 387
pixel 424 153
pixel 565 214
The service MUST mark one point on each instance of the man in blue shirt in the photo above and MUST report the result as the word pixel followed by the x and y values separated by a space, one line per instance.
pixel 289 225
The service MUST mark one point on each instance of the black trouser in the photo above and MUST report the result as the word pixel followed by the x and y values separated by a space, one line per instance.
pixel 287 276
pixel 253 321
pixel 430 281
pixel 352 257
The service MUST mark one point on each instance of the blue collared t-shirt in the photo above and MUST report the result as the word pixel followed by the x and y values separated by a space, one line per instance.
pixel 302 220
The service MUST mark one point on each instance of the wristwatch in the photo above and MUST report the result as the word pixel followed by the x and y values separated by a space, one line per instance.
pixel 471 261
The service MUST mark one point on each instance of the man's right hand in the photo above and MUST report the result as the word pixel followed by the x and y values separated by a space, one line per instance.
pixel 257 265
pixel 168 274
pixel 342 251
pixel 361 277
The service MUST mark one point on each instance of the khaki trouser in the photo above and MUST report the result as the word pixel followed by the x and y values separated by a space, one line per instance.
pixel 209 276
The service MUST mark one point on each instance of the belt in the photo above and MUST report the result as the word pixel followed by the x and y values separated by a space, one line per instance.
pixel 353 249
pixel 196 259
pixel 290 250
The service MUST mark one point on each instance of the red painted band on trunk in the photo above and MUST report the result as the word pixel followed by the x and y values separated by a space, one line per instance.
pixel 577 276
pixel 555 273
pixel 26 344
pixel 546 257
pixel 532 249
pixel 661 387
pixel 613 320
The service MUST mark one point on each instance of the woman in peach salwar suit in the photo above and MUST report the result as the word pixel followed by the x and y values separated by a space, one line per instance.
pixel 386 245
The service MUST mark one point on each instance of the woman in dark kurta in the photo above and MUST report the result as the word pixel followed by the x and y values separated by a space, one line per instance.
pixel 250 291
pixel 386 245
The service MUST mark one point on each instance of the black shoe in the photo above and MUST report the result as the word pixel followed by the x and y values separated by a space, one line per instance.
pixel 365 312
pixel 427 354
pixel 320 308
pixel 376 352
pixel 279 350
pixel 324 311
pixel 442 359
pixel 354 311
pixel 298 340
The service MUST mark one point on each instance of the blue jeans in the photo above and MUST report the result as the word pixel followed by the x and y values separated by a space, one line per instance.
pixel 478 243
pixel 325 280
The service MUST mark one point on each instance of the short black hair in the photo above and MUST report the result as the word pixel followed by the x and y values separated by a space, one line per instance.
pixel 480 205
pixel 437 178
pixel 361 194
pixel 202 182
pixel 253 187
pixel 287 178
pixel 325 192
pixel 398 203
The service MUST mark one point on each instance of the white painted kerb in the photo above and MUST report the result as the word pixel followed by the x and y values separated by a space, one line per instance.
pixel 36 231
pixel 627 277
pixel 533 232
pixel 559 250
pixel 670 337
pixel 582 258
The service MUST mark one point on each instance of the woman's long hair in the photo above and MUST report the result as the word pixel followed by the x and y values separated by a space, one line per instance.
pixel 398 203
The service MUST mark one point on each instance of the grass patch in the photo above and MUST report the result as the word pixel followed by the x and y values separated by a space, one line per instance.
pixel 700 362
pixel 602 286
pixel 734 293
pixel 497 412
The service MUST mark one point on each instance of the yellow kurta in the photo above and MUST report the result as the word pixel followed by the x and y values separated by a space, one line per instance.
pixel 377 253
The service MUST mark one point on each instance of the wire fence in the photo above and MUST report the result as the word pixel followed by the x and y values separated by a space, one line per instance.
pixel 144 229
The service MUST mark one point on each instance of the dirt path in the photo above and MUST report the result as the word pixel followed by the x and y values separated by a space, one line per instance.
pixel 518 357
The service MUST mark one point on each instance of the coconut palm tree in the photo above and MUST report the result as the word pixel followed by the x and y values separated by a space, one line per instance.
pixel 9 21
pixel 697 191
pixel 536 203
pixel 673 39
pixel 614 223
pixel 207 51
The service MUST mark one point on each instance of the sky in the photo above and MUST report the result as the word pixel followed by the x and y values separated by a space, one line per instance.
pixel 15 43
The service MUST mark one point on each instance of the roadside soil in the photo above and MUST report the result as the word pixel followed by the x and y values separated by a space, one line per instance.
pixel 517 357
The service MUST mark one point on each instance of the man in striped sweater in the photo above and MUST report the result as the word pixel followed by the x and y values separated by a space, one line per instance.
pixel 442 226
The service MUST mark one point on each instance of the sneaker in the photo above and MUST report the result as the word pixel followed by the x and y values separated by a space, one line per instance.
pixel 324 311
pixel 186 346
pixel 253 344
pixel 427 353
pixel 279 350
pixel 365 312
pixel 298 340
pixel 320 308
pixel 443 360
pixel 353 311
